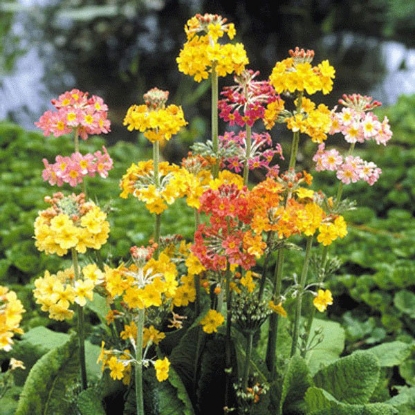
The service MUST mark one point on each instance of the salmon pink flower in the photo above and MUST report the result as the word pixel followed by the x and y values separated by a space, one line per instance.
pixel 75 111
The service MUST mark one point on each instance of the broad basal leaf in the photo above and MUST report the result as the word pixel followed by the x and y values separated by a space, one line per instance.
pixel 320 402
pixel 351 379
pixel 48 388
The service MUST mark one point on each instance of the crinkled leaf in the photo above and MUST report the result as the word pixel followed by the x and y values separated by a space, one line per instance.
pixel 330 348
pixel 320 402
pixel 392 353
pixel 296 381
pixel 90 403
pixel 51 381
pixel 351 379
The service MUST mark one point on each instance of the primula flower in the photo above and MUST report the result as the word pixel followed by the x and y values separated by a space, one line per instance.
pixel 296 74
pixel 56 293
pixel 156 121
pixel 261 152
pixel 75 110
pixel 211 321
pixel 202 51
pixel 11 310
pixel 322 299
pixel 71 222
pixel 162 369
pixel 139 180
pixel 74 168
pixel 245 102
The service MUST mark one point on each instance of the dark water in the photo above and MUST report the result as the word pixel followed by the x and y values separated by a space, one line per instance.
pixel 43 68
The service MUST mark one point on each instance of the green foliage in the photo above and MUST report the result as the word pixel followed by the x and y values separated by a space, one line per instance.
pixel 51 381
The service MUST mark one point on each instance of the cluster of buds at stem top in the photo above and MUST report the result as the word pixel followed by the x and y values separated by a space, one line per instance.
pixel 156 98
pixel 203 23
pixel 301 55
pixel 359 102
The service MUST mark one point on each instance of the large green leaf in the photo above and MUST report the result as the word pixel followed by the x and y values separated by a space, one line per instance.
pixel 90 403
pixel 172 396
pixel 296 381
pixel 50 382
pixel 320 402
pixel 351 379
pixel 330 348
pixel 392 353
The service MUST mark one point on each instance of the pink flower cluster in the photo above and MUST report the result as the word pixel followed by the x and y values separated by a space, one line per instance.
pixel 261 152
pixel 73 169
pixel 75 111
pixel 244 103
pixel 349 169
pixel 357 124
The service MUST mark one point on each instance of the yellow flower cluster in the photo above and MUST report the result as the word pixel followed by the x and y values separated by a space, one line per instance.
pixel 139 181
pixel 202 51
pixel 296 74
pixel 143 287
pixel 329 232
pixel 156 124
pixel 120 364
pixel 57 292
pixel 11 310
pixel 70 223
pixel 211 321
pixel 315 122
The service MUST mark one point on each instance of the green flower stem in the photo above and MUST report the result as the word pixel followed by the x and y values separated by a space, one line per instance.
pixel 270 237
pixel 299 298
pixel 81 325
pixel 249 346
pixel 313 309
pixel 157 221
pixel 248 141
pixel 294 150
pixel 273 321
pixel 139 398
pixel 228 346
pixel 215 118
pixel 296 137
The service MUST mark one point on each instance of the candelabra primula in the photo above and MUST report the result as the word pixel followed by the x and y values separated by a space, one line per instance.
pixel 11 311
pixel 71 222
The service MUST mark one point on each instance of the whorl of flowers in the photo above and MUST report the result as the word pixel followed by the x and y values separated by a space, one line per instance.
pixel 357 124
pixel 11 310
pixel 70 222
pixel 58 292
pixel 261 153
pixel 75 110
pixel 72 169
pixel 296 74
pixel 139 181
pixel 202 51
pixel 245 102
pixel 143 284
pixel 156 121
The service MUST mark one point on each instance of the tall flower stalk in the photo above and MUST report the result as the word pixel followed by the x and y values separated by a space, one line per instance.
pixel 70 221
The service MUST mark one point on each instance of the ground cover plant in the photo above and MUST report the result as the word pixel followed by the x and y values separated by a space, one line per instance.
pixel 255 277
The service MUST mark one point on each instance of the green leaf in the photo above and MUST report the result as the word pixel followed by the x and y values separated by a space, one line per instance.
pixel 330 348
pixel 173 398
pixel 296 381
pixel 51 381
pixel 404 301
pixel 99 306
pixel 392 353
pixel 90 403
pixel 351 379
pixel 320 402
pixel 404 402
